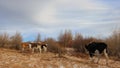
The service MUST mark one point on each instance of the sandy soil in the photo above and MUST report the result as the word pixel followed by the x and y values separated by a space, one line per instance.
pixel 15 59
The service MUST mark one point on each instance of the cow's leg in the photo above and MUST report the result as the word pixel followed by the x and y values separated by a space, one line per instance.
pixel 91 57
pixel 39 48
pixel 30 47
pixel 98 55
pixel 106 55
pixel 23 49
pixel 45 49
pixel 33 49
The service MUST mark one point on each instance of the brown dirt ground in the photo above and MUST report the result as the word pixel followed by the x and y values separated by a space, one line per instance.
pixel 14 59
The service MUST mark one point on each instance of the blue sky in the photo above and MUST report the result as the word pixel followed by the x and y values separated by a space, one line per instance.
pixel 97 18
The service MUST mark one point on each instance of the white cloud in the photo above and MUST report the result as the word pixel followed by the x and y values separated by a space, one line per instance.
pixel 46 15
pixel 51 16
pixel 82 4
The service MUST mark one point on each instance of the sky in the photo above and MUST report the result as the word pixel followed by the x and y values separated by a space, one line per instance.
pixel 96 18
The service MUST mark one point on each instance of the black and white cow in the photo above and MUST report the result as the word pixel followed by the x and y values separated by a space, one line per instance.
pixel 38 46
pixel 96 49
pixel 44 47
pixel 35 46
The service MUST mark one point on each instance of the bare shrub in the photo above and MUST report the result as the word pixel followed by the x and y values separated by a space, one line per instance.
pixel 54 47
pixel 114 44
pixel 65 39
pixel 78 43
pixel 4 39
pixel 16 41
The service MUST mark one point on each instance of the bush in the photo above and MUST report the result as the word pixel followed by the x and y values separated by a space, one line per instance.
pixel 54 47
pixel 114 44
pixel 16 41
pixel 4 39
pixel 65 38
pixel 78 44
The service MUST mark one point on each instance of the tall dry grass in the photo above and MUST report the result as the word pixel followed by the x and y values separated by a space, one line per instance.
pixel 114 44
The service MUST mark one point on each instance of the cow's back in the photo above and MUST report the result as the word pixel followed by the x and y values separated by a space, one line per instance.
pixel 24 44
pixel 101 47
pixel 92 47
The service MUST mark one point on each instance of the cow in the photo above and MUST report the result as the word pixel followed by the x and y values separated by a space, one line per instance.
pixel 40 46
pixel 36 46
pixel 32 46
pixel 25 45
pixel 44 47
pixel 96 49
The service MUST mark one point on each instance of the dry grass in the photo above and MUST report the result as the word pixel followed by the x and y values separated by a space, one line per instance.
pixel 114 44
pixel 15 59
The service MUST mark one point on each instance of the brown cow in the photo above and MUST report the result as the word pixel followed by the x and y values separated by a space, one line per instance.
pixel 25 45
